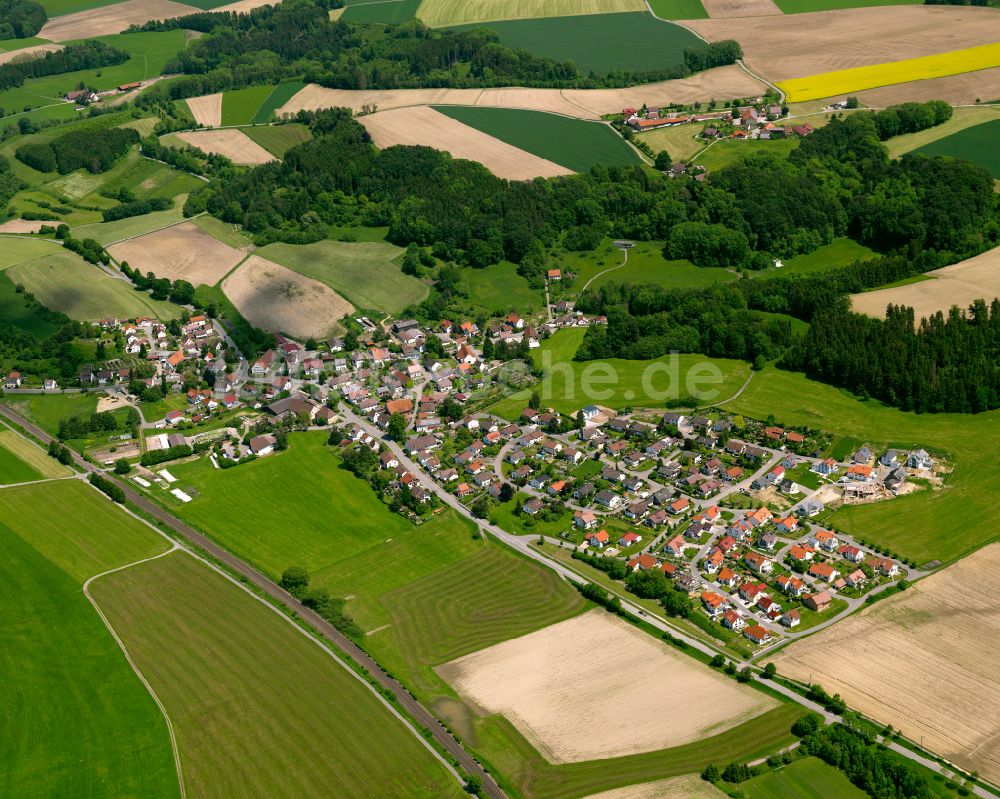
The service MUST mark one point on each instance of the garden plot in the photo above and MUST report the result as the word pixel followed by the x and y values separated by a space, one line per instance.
pixel 179 252
pixel 594 687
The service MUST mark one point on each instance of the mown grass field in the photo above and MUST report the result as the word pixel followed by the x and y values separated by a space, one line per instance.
pixel 31 455
pixel 646 264
pixel 839 252
pixel 278 139
pixel 65 282
pixel 516 759
pixel 729 151
pixel 845 81
pixel 678 9
pixel 46 410
pixel 56 8
pixel 944 524
pixel 14 470
pixel 80 722
pixel 239 106
pixel 437 13
pixel 392 12
pixel 680 141
pixel 573 143
pixel 961 118
pixel 806 6
pixel 363 272
pixel 624 382
pixel 307 510
pixel 294 721
pixel 110 232
pixel 500 288
pixel 601 43
pixel 279 95
pixel 809 778
pixel 977 144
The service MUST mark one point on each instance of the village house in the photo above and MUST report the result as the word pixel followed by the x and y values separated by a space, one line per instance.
pixel 599 540
pixel 757 634
pixel 758 563
pixel 819 602
pixel 643 562
pixel 823 571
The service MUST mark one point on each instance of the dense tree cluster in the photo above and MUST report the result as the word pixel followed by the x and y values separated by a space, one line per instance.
pixel 112 489
pixel 20 19
pixel 54 356
pixel 869 766
pixel 10 184
pixel 93 150
pixel 298 40
pixel 90 54
pixel 188 158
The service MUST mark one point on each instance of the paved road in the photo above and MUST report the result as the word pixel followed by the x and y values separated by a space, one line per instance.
pixel 418 712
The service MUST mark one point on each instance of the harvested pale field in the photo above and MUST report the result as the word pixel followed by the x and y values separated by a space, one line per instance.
pixel 724 9
pixel 690 786
pixel 37 458
pixel 955 89
pixel 721 83
pixel 799 45
pixel 21 226
pixel 568 686
pixel 179 252
pixel 423 125
pixel 243 6
pixel 28 53
pixel 273 297
pixel 958 284
pixel 207 109
pixel 231 143
pixel 923 661
pixel 462 12
pixel 111 19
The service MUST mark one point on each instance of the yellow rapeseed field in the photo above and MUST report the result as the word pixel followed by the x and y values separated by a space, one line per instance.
pixel 845 81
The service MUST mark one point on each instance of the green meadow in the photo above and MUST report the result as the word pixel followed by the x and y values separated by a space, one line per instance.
pixel 278 139
pixel 499 288
pixel 390 12
pixel 930 524
pixel 295 722
pixel 807 6
pixel 728 151
pixel 80 722
pixel 839 252
pixel 617 383
pixel 678 9
pixel 602 43
pixel 808 778
pixel 576 144
pixel 363 272
pixel 977 144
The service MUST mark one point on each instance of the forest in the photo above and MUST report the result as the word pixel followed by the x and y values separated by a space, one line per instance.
pixel 86 55
pixel 20 19
pixel 297 40
pixel 93 150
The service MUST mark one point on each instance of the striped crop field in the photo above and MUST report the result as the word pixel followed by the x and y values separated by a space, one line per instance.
pixel 844 81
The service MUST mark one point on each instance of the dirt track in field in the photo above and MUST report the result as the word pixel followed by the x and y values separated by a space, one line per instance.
pixel 233 144
pixel 111 19
pixel 958 284
pixel 179 252
pixel 29 53
pixel 799 45
pixel 595 687
pixel 425 126
pixel 273 297
pixel 922 660
pixel 722 83
pixel 207 109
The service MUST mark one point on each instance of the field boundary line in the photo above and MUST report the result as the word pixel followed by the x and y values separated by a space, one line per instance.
pixel 154 230
pixel 138 672
pixel 177 545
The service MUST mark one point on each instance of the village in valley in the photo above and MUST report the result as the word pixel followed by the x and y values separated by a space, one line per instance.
pixel 729 510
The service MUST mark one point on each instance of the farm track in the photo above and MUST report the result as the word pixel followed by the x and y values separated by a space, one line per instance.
pixel 423 717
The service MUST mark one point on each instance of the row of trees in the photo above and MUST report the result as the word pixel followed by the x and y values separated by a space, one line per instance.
pixel 136 208
pixel 93 150
pixel 90 54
